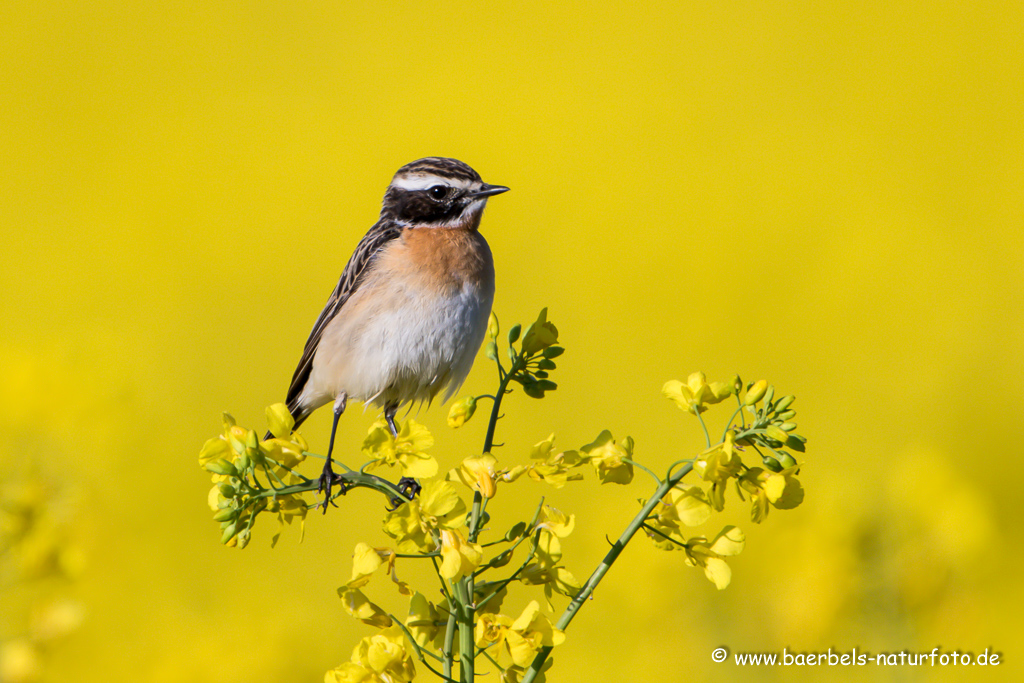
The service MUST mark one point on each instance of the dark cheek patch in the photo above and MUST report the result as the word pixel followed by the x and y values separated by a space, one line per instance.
pixel 417 207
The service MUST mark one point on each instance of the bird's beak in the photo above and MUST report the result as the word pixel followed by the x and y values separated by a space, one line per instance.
pixel 489 190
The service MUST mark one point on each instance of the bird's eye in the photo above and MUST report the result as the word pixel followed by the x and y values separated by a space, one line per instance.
pixel 438 192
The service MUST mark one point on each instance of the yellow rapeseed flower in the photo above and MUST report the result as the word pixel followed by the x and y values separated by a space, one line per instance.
pixel 696 394
pixel 683 505
pixel 719 463
pixel 381 658
pixel 539 335
pixel 781 490
pixel 461 411
pixel 701 553
pixel 407 450
pixel 438 507
pixel 477 472
pixel 606 455
pixel 529 633
pixel 555 468
pixel 426 621
pixel 458 556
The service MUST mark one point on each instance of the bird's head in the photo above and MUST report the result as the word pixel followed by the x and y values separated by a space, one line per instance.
pixel 436 192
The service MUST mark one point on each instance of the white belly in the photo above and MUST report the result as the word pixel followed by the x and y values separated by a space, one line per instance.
pixel 396 342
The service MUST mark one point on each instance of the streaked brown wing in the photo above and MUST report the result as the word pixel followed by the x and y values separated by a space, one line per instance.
pixel 366 252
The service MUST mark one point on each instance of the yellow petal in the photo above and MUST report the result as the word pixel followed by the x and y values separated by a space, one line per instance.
pixel 675 391
pixel 728 542
pixel 438 498
pixel 718 572
pixel 418 467
pixel 360 607
pixel 365 561
pixel 280 420
pixel 691 506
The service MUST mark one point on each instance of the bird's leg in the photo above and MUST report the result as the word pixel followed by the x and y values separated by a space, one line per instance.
pixel 328 476
pixel 389 415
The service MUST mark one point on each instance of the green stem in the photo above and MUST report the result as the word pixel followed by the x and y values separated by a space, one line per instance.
pixel 449 639
pixel 636 464
pixel 420 652
pixel 606 564
pixel 464 615
pixel 728 425
pixel 493 660
pixel 648 527
pixel 496 407
pixel 466 607
pixel 707 437
pixel 743 418
pixel 348 480
pixel 474 517
pixel 444 588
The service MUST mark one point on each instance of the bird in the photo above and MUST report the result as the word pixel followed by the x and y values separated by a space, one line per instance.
pixel 411 307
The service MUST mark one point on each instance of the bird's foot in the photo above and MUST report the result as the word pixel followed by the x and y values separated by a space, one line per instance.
pixel 409 488
pixel 328 478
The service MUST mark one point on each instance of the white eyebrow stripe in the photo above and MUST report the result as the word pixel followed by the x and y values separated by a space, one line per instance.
pixel 422 182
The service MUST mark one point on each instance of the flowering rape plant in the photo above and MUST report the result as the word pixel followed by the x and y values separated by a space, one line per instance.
pixel 440 517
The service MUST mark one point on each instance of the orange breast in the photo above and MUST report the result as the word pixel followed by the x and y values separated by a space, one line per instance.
pixel 446 258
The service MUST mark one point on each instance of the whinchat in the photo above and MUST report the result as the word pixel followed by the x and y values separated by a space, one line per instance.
pixel 410 311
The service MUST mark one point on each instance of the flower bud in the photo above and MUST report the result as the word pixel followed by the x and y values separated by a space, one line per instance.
pixel 785 402
pixel 787 460
pixel 517 530
pixel 502 559
pixel 493 328
pixel 243 463
pixel 227 490
pixel 787 426
pixel 737 384
pixel 491 350
pixel 553 351
pixel 514 332
pixel 769 395
pixel 774 432
pixel 225 515
pixel 771 463
pixel 222 467
pixel 785 415
pixel 755 392
pixel 461 411
pixel 229 532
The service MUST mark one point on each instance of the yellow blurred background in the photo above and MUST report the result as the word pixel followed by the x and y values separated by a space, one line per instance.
pixel 825 195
